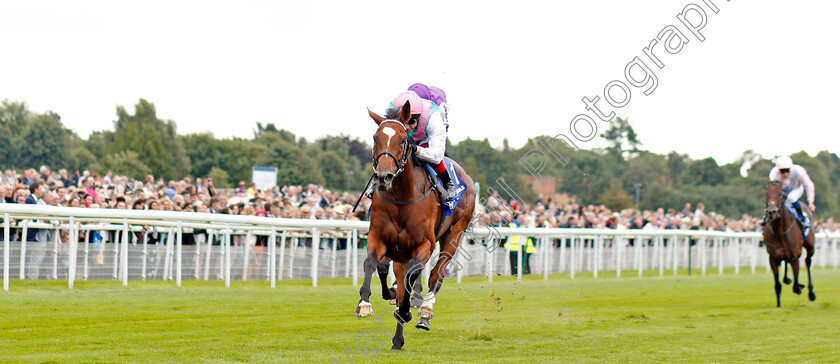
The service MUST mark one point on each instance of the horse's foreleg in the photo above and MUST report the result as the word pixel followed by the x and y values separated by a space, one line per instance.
pixel 365 309
pixel 794 266
pixel 775 266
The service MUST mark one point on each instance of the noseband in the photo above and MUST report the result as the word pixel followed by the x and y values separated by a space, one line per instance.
pixel 768 212
pixel 782 199
pixel 406 147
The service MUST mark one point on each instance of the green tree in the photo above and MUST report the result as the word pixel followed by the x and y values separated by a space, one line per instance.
pixel 14 115
pixel 97 142
pixel 78 159
pixel 615 198
pixel 236 156
pixel 334 170
pixel 269 134
pixel 155 141
pixel 294 166
pixel 676 165
pixel 586 176
pixel 42 142
pixel 646 168
pixel 126 163
pixel 703 172
pixel 221 179
pixel 621 137
pixel 493 164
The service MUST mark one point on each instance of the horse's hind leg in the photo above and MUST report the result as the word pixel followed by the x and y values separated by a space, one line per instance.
pixel 794 266
pixel 449 246
pixel 786 280
pixel 774 264
pixel 382 268
pixel 810 253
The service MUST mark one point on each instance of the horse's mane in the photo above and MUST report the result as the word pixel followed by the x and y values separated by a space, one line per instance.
pixel 392 113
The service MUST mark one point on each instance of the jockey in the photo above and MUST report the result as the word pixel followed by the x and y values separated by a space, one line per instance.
pixel 428 129
pixel 795 181
pixel 435 95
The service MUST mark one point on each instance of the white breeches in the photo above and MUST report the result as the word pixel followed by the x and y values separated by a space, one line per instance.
pixel 795 194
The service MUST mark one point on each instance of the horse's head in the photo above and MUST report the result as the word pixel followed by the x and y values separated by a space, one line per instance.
pixel 391 147
pixel 774 198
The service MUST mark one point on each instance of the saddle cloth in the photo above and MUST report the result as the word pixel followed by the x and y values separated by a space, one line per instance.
pixel 460 186
pixel 801 220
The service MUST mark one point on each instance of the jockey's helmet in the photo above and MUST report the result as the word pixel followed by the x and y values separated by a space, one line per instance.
pixel 421 90
pixel 784 162
pixel 411 97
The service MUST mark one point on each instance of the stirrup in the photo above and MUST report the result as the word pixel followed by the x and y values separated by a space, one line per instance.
pixel 446 192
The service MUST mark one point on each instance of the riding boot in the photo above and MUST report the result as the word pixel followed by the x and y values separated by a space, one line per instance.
pixel 447 188
pixel 803 218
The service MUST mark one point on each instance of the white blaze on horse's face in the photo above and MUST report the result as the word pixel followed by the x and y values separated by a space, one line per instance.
pixel 390 132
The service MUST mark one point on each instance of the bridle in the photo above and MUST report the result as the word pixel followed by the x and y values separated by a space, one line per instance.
pixel 408 150
pixel 775 211
pixel 782 199
pixel 406 147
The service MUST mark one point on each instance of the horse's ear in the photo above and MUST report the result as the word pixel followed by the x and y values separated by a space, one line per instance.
pixel 376 118
pixel 405 113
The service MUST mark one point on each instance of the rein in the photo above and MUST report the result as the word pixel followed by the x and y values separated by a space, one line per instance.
pixel 402 203
pixel 406 148
pixel 408 151
pixel 790 226
pixel 783 198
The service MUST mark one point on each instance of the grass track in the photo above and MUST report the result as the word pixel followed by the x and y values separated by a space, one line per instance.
pixel 728 318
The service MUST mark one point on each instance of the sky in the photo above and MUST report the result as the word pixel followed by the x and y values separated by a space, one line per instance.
pixel 764 77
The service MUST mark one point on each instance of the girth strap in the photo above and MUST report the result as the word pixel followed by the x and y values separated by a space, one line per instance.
pixel 397 202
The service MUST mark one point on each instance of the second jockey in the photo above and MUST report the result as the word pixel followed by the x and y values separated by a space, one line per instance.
pixel 795 182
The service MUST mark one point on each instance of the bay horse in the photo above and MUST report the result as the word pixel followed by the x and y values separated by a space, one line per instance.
pixel 406 224
pixel 784 242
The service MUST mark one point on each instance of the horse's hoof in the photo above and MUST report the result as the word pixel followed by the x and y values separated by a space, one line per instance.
pixel 787 281
pixel 424 324
pixel 798 288
pixel 812 296
pixel 364 309
pixel 393 301
pixel 398 343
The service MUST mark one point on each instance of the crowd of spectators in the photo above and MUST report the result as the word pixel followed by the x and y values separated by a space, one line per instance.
pixel 547 213
pixel 91 190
